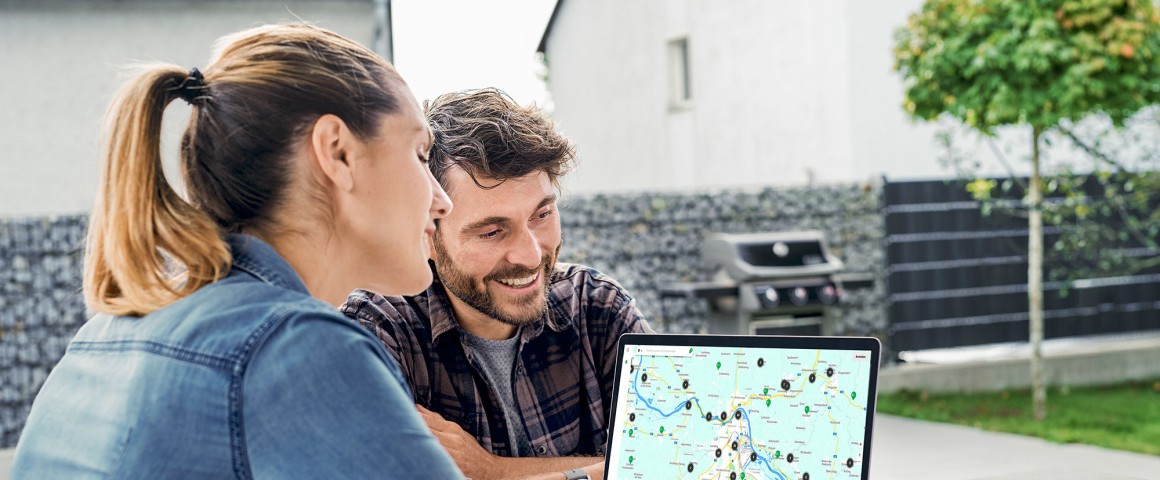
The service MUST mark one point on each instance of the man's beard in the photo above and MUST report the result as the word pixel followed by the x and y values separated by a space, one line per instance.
pixel 477 295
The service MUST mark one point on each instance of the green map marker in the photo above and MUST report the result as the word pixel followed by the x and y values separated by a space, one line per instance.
pixel 776 454
pixel 662 429
pixel 768 401
pixel 630 432
pixel 742 475
pixel 765 392
pixel 807 409
pixel 718 365
pixel 853 395
pixel 630 459
pixel 690 350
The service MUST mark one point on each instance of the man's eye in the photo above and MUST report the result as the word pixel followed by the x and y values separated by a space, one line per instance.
pixel 491 234
pixel 545 214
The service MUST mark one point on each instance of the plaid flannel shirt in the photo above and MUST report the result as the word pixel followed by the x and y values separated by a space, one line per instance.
pixel 564 369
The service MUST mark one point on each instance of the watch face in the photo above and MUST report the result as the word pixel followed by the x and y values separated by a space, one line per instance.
pixel 577 474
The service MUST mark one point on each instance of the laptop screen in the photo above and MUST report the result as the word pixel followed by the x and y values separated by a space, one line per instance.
pixel 746 408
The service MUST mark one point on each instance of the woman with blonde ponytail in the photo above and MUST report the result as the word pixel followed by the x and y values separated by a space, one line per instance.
pixel 217 351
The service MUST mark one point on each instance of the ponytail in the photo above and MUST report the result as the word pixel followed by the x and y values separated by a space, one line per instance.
pixel 147 247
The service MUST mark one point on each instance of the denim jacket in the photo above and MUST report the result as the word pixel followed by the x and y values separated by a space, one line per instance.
pixel 249 377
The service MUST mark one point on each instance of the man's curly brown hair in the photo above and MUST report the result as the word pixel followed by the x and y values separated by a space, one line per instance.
pixel 493 138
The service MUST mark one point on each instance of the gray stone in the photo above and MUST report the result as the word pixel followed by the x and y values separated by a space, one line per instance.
pixel 647 241
pixel 40 307
pixel 644 240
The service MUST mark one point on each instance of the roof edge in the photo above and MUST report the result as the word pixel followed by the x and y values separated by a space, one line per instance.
pixel 543 47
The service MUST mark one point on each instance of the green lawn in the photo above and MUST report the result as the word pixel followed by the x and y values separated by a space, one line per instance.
pixel 1123 417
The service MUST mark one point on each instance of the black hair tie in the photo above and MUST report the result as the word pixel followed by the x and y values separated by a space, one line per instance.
pixel 192 89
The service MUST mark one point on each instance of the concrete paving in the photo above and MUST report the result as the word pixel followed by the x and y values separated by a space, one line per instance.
pixel 905 449
pixel 910 449
pixel 5 463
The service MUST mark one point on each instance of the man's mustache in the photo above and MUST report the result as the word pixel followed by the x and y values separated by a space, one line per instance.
pixel 518 272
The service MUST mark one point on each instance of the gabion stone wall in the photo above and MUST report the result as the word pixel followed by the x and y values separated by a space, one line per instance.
pixel 41 308
pixel 649 240
pixel 644 240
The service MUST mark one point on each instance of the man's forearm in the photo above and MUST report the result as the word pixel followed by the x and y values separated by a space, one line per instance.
pixel 550 468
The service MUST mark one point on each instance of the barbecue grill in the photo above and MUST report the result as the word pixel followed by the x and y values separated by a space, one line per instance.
pixel 779 283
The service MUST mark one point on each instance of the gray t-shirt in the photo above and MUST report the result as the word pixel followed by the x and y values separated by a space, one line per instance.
pixel 497 360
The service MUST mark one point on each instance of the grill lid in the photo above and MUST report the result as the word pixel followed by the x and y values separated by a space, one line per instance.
pixel 747 257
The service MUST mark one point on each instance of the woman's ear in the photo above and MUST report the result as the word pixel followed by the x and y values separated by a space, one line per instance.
pixel 331 147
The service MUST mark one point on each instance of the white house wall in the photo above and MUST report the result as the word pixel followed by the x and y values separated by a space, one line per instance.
pixel 62 62
pixel 608 90
pixel 885 141
pixel 783 93
pixel 770 93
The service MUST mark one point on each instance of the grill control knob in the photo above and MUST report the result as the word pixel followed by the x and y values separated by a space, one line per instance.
pixel 771 297
pixel 780 249
pixel 799 296
pixel 828 294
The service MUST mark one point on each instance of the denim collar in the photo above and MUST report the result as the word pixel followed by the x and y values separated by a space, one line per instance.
pixel 258 258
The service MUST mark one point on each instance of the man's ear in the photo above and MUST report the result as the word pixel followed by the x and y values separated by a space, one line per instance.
pixel 331 143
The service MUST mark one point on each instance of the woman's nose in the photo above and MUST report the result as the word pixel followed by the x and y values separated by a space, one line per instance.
pixel 440 203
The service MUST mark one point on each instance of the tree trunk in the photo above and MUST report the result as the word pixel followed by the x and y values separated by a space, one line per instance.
pixel 1035 280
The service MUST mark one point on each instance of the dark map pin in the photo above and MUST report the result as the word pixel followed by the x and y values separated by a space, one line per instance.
pixel 830 372
pixel 724 416
pixel 631 368
pixel 708 417
pixel 718 453
pixel 806 476
pixel 685 385
pixel 689 405
pixel 737 414
pixel 690 467
pixel 732 475
pixel 849 463
pixel 813 377
pixel 644 377
pixel 761 362
pixel 789 458
pixel 734 445
pixel 753 456
pixel 632 417
pixel 785 385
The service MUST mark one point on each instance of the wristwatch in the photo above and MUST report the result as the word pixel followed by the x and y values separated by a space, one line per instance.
pixel 576 474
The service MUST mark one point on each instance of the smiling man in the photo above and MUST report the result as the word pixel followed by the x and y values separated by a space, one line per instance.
pixel 509 354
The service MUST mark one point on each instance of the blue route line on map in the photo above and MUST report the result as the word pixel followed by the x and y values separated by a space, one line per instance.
pixel 760 459
pixel 748 425
pixel 764 461
pixel 648 403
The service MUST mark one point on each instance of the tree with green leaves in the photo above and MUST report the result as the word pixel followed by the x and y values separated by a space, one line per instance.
pixel 1038 64
pixel 1109 212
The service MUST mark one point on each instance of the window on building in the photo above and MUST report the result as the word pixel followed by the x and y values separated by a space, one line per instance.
pixel 680 86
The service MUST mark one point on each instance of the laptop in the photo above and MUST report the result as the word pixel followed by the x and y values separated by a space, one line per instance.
pixel 742 407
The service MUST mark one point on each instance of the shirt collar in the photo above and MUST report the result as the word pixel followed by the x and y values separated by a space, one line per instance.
pixel 443 316
pixel 258 258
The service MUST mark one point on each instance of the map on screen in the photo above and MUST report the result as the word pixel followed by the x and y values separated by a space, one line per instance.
pixel 740 413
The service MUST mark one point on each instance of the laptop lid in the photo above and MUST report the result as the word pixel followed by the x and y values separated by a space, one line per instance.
pixel 742 407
